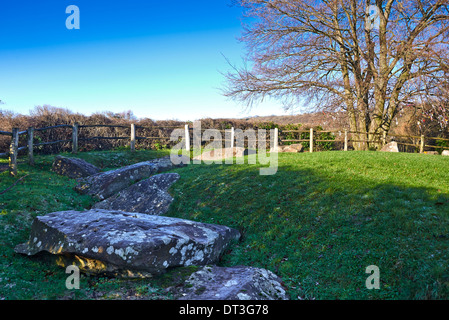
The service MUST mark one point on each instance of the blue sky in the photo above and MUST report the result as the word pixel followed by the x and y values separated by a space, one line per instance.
pixel 160 59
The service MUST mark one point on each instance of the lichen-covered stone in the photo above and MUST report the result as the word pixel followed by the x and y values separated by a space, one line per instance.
pixel 127 241
pixel 148 196
pixel 106 184
pixel 165 163
pixel 292 148
pixel 234 283
pixel 220 154
pixel 73 167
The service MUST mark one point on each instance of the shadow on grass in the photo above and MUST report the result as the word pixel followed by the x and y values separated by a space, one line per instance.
pixel 319 230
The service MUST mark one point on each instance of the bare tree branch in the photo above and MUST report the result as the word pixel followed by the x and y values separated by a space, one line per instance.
pixel 326 51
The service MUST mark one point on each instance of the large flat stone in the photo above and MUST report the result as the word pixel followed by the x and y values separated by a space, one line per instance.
pixel 293 148
pixel 220 154
pixel 105 184
pixel 104 241
pixel 390 147
pixel 234 283
pixel 165 163
pixel 148 196
pixel 73 167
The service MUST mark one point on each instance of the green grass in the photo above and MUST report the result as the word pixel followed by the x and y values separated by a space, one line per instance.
pixel 40 193
pixel 318 223
pixel 324 217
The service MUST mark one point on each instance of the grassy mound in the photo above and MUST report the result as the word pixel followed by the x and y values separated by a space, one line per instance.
pixel 318 223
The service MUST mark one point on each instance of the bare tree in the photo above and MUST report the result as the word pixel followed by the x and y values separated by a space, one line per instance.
pixel 365 57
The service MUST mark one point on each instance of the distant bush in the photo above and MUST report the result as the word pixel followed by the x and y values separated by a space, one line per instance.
pixel 318 145
pixel 322 145
pixel 266 125
pixel 46 116
pixel 442 143
pixel 292 135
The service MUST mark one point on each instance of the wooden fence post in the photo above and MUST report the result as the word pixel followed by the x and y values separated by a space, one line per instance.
pixel 276 140
pixel 187 137
pixel 421 147
pixel 75 138
pixel 133 137
pixel 311 140
pixel 346 140
pixel 31 146
pixel 13 151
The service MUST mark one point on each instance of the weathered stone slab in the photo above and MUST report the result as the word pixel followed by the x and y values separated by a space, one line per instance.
pixel 73 167
pixel 148 196
pixel 292 148
pixel 107 241
pixel 165 163
pixel 390 147
pixel 105 184
pixel 236 283
pixel 220 154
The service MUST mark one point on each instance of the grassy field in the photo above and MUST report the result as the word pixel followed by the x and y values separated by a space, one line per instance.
pixel 318 223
